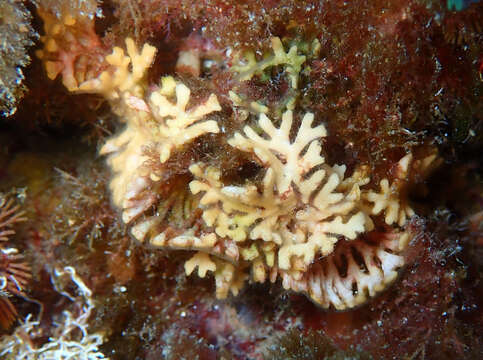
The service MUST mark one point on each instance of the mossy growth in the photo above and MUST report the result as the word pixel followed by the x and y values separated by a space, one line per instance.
pixel 298 345
pixel 17 35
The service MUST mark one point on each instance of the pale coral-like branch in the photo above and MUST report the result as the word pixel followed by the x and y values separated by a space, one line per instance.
pixel 201 261
pixel 389 198
pixel 177 125
pixel 229 278
pixel 126 72
pixel 292 185
pixel 344 280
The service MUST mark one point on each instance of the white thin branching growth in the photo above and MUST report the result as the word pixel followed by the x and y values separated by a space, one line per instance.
pixel 69 340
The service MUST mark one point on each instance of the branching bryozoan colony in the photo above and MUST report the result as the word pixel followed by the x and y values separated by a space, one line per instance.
pixel 306 221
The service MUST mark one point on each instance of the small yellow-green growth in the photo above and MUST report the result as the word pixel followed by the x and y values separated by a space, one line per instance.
pixel 254 106
pixel 291 61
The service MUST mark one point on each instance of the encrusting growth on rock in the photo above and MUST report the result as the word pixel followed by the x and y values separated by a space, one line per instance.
pixel 68 42
pixel 16 36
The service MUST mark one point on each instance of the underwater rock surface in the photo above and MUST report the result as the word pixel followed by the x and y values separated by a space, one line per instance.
pixel 228 180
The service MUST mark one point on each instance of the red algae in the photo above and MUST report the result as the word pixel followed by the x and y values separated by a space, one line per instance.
pixel 14 270
pixel 397 88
